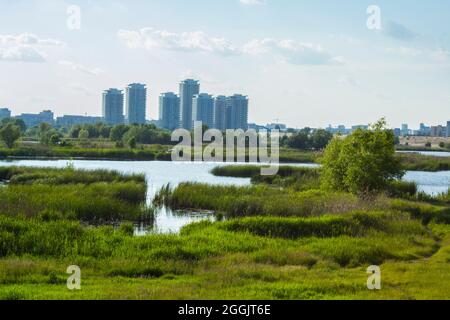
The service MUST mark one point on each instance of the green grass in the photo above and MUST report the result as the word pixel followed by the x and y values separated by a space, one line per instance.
pixel 150 153
pixel 207 261
pixel 22 175
pixel 276 243
pixel 94 196
pixel 418 162
pixel 261 200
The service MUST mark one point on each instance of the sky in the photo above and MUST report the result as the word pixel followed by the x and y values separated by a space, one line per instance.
pixel 303 63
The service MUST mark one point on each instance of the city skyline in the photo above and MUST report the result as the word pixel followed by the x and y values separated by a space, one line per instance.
pixel 308 64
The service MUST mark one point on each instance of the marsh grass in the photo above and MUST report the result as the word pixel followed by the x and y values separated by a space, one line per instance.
pixel 418 162
pixel 54 194
pixel 261 200
pixel 68 175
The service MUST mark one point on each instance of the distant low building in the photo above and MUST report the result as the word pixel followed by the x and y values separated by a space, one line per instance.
pixel 277 126
pixel 341 129
pixel 32 120
pixel 256 127
pixel 71 120
pixel 438 131
pixel 424 130
pixel 5 113
pixel 363 127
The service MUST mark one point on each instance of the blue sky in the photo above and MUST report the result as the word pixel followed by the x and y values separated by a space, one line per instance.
pixel 307 63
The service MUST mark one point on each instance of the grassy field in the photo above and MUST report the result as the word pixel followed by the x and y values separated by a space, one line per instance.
pixel 93 196
pixel 229 260
pixel 417 162
pixel 275 243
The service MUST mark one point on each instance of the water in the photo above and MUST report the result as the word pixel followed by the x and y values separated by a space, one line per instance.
pixel 432 183
pixel 160 173
pixel 429 153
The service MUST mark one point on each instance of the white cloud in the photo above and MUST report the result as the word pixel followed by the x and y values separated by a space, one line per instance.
pixel 79 67
pixel 252 2
pixel 292 51
pixel 198 41
pixel 25 47
pixel 288 50
pixel 21 53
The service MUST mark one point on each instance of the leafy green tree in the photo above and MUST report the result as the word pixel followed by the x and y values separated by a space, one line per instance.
pixel 320 139
pixel 74 131
pixel 9 134
pixel 132 142
pixel 54 139
pixel 299 141
pixel 83 134
pixel 364 163
pixel 14 121
pixel 117 132
pixel 44 133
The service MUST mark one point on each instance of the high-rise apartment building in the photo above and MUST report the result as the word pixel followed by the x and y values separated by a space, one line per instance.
pixel 203 109
pixel 237 112
pixel 113 106
pixel 405 130
pixel 136 103
pixel 448 129
pixel 220 113
pixel 169 111
pixel 5 113
pixel 188 89
pixel 438 131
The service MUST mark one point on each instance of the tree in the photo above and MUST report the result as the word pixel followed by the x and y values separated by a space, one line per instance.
pixel 10 133
pixel 83 134
pixel 54 139
pixel 132 142
pixel 14 121
pixel 43 133
pixel 299 141
pixel 117 132
pixel 320 139
pixel 364 163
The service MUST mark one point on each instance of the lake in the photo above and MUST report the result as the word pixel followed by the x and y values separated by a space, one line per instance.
pixel 161 173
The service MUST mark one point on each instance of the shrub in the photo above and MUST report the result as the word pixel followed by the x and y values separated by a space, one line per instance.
pixel 363 163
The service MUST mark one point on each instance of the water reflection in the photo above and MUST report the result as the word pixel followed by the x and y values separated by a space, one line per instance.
pixel 170 221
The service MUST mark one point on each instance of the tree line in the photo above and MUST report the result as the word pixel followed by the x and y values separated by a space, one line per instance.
pixel 11 130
